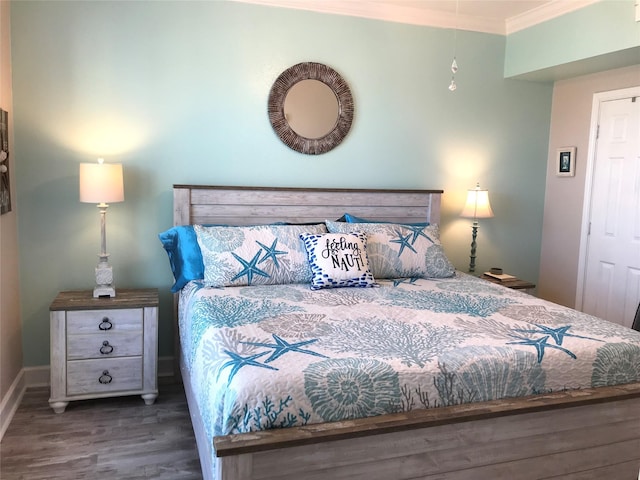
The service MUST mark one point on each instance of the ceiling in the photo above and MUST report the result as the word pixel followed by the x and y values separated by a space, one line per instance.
pixel 489 16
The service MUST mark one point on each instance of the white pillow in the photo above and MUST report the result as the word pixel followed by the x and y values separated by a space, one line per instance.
pixel 338 260
pixel 401 251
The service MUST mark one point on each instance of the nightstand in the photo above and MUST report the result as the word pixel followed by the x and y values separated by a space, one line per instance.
pixel 103 347
pixel 514 283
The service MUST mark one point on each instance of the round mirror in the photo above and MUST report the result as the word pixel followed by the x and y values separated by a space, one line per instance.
pixel 310 108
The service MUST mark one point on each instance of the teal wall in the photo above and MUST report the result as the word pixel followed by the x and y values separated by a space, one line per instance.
pixel 177 92
pixel 600 36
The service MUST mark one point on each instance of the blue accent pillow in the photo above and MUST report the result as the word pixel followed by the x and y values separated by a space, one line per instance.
pixel 338 260
pixel 347 217
pixel 185 257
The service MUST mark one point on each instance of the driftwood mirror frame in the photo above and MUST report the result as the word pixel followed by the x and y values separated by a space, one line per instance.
pixel 278 94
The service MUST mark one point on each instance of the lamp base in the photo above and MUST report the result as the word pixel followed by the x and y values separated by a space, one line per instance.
pixel 104 279
pixel 104 291
pixel 472 256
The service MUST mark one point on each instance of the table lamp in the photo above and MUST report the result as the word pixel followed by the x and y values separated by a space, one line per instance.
pixel 477 206
pixel 102 183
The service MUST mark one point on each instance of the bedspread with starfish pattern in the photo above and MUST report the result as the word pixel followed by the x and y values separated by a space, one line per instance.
pixel 278 356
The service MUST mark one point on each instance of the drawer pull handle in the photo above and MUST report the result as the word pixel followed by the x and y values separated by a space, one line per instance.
pixel 105 324
pixel 105 377
pixel 106 349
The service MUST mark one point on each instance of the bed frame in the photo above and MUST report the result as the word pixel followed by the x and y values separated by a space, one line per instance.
pixel 573 435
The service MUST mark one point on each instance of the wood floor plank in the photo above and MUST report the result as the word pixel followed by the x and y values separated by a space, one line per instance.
pixel 118 438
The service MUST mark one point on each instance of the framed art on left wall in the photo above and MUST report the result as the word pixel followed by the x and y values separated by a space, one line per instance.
pixel 5 188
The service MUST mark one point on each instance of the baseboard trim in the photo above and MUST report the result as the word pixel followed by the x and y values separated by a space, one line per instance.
pixel 11 402
pixel 165 367
pixel 31 377
pixel 37 376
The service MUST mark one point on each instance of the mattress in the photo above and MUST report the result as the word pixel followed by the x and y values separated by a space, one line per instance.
pixel 278 356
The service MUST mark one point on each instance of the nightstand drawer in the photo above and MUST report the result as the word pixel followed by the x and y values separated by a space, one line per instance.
pixel 112 321
pixel 103 345
pixel 104 375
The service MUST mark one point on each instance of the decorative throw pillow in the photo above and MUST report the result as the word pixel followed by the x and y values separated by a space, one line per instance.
pixel 401 251
pixel 184 254
pixel 257 255
pixel 338 260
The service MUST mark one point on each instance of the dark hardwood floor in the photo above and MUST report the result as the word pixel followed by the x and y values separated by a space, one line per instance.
pixel 113 438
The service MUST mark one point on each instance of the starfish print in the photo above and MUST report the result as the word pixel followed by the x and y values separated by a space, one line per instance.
pixel 540 345
pixel 249 267
pixel 403 241
pixel 238 361
pixel 417 232
pixel 557 334
pixel 271 252
pixel 282 346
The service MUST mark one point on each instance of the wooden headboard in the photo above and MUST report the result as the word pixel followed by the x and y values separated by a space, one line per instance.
pixel 198 204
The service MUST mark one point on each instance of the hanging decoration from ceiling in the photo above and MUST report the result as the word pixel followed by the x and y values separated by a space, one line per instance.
pixel 454 63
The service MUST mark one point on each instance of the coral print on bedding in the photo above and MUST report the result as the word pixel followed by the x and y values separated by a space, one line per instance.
pixel 263 357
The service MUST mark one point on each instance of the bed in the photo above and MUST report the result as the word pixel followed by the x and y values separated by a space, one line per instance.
pixel 452 422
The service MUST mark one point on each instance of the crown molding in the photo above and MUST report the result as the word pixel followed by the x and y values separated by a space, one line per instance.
pixel 391 12
pixel 544 13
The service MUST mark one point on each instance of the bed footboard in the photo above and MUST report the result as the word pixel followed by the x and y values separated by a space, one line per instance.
pixel 572 435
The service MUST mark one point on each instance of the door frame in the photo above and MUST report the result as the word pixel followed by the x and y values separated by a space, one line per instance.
pixel 598 98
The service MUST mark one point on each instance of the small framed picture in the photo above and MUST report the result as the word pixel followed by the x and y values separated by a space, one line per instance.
pixel 5 187
pixel 566 158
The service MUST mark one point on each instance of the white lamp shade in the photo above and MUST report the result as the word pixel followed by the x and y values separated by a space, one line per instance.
pixel 101 183
pixel 477 205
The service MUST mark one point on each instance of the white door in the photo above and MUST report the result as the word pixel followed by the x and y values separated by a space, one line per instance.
pixel 612 273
